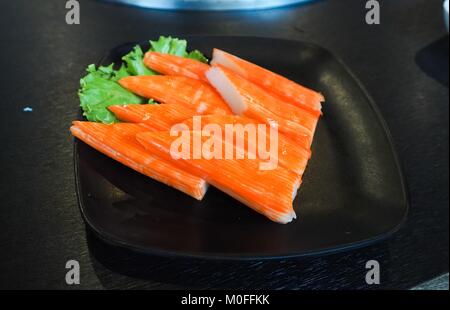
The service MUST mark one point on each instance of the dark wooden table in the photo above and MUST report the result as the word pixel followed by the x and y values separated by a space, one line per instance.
pixel 403 63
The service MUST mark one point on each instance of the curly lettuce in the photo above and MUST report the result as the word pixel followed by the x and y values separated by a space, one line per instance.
pixel 134 61
pixel 197 55
pixel 174 46
pixel 100 88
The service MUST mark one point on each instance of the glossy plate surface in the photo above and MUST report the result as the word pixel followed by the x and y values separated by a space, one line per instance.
pixel 353 191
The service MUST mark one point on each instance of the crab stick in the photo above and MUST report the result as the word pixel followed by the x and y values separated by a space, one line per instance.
pixel 245 100
pixel 271 102
pixel 269 192
pixel 282 87
pixel 162 117
pixel 223 120
pixel 175 65
pixel 290 154
pixel 176 89
pixel 154 116
pixel 118 141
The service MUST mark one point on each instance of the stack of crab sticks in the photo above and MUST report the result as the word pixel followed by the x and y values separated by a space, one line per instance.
pixel 227 97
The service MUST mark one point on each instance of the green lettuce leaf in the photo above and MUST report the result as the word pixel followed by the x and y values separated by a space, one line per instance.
pixel 135 62
pixel 99 89
pixel 169 45
pixel 174 46
pixel 197 55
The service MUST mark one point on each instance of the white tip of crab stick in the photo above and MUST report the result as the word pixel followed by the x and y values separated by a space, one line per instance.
pixel 285 218
pixel 225 87
pixel 221 58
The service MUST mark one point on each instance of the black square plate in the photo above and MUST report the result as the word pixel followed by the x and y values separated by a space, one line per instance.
pixel 353 191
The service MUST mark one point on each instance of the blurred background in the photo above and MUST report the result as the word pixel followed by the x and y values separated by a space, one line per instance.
pixel 209 4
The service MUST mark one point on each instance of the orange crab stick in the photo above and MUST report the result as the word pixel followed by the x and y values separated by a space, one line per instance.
pixel 175 65
pixel 269 192
pixel 244 100
pixel 162 117
pixel 282 87
pixel 236 119
pixel 118 141
pixel 154 116
pixel 193 93
pixel 290 155
pixel 271 102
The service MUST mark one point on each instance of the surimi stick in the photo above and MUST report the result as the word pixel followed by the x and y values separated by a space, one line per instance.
pixel 195 94
pixel 270 102
pixel 118 141
pixel 290 154
pixel 269 192
pixel 175 65
pixel 238 93
pixel 282 87
pixel 155 116
pixel 162 117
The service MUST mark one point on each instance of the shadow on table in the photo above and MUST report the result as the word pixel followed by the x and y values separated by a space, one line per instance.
pixel 119 268
pixel 433 60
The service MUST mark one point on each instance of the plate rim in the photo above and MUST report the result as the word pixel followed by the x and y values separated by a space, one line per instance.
pixel 152 250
